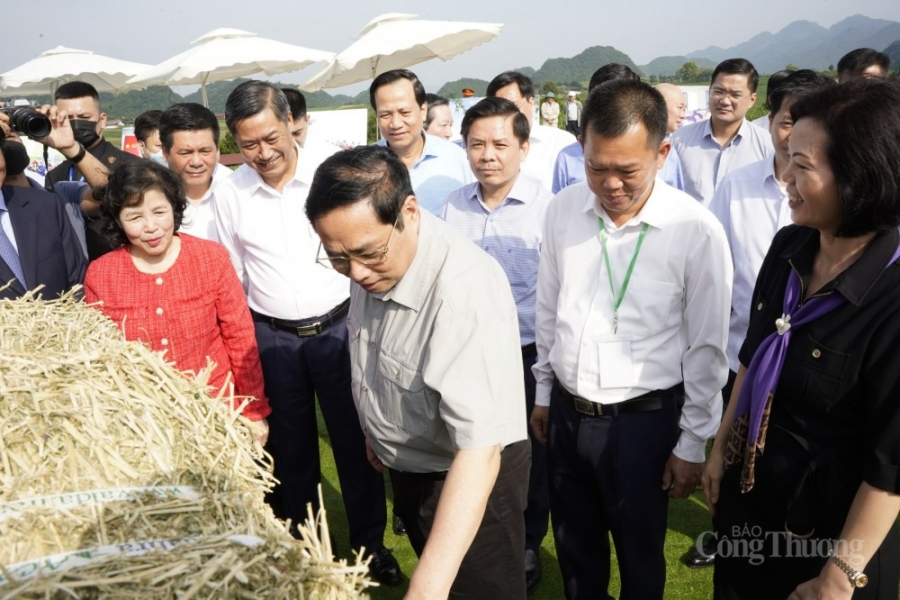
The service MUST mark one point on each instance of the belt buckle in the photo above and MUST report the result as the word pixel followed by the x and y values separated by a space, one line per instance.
pixel 311 330
pixel 585 407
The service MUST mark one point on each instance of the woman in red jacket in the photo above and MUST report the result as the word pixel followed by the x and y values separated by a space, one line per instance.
pixel 176 293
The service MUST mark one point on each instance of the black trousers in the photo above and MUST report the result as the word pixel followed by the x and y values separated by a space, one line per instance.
pixel 756 558
pixel 494 566
pixel 297 371
pixel 606 477
pixel 537 514
pixel 573 128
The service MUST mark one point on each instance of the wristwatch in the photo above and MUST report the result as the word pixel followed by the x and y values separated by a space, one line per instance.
pixel 858 579
pixel 80 155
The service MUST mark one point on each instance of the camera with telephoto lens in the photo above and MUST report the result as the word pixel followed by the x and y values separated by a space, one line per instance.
pixel 25 119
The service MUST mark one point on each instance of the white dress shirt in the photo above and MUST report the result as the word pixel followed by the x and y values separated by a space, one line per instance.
pixel 675 310
pixel 752 207
pixel 545 144
pixel 705 163
pixel 273 246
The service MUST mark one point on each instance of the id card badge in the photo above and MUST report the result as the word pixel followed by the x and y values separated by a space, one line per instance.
pixel 616 364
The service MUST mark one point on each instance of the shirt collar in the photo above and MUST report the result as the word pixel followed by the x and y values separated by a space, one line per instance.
pixel 742 130
pixel 2 201
pixel 653 212
pixel 856 281
pixel 519 192
pixel 410 290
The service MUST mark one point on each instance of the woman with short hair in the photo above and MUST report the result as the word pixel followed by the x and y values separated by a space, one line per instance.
pixel 176 293
pixel 804 475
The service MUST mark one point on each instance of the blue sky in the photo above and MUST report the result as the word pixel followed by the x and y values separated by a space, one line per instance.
pixel 151 32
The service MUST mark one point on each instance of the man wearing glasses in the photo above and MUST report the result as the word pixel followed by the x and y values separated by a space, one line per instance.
pixel 711 149
pixel 299 310
pixel 436 374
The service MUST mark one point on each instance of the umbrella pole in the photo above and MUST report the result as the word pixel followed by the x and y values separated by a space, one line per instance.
pixel 203 91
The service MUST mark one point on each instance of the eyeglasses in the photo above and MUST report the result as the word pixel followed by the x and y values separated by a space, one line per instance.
pixel 341 263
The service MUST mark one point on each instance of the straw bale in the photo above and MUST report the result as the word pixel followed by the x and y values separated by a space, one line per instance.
pixel 107 450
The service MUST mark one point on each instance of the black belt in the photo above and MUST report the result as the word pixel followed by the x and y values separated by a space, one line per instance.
pixel 646 403
pixel 305 327
pixel 529 351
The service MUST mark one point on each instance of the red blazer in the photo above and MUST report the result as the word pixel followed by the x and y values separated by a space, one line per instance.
pixel 196 309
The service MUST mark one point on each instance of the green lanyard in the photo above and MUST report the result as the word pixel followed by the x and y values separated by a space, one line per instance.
pixel 617 298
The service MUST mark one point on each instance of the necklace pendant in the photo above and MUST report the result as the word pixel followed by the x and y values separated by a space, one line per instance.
pixel 783 323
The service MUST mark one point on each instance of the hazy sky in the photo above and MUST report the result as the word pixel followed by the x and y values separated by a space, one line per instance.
pixel 151 32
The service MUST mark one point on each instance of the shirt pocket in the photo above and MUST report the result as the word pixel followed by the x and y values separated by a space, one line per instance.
pixel 822 371
pixel 653 305
pixel 400 395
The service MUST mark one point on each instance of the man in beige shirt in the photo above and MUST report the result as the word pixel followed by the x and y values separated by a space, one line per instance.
pixel 437 374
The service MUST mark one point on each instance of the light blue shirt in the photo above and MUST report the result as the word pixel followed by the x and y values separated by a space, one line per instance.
pixel 705 163
pixel 570 168
pixel 6 222
pixel 511 233
pixel 752 207
pixel 442 168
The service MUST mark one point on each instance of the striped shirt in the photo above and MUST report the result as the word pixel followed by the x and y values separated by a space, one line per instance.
pixel 511 234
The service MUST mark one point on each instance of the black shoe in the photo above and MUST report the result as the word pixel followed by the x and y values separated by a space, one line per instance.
pixel 705 556
pixel 532 570
pixel 384 568
pixel 398 526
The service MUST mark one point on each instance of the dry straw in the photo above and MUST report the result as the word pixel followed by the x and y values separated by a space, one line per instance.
pixel 103 446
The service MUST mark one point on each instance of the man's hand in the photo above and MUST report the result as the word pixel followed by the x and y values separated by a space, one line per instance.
pixel 373 458
pixel 61 136
pixel 680 477
pixel 259 430
pixel 540 416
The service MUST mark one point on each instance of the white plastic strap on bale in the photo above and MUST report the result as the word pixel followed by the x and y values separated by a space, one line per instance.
pixel 86 498
pixel 79 558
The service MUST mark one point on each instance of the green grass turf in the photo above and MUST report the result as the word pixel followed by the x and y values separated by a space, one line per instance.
pixel 687 518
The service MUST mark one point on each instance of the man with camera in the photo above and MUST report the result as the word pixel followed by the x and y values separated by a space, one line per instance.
pixel 38 245
pixel 81 102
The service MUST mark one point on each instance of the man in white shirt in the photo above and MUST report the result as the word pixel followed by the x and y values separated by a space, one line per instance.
pixel 545 142
pixel 631 358
pixel 189 135
pixel 300 310
pixel 726 141
pixel 436 166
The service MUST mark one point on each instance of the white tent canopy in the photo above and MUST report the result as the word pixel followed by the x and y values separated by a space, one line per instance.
pixel 397 41
pixel 226 54
pixel 42 75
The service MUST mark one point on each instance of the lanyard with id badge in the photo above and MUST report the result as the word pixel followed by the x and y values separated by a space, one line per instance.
pixel 614 351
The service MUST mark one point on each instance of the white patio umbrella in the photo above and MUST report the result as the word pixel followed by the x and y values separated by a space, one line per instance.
pixel 42 75
pixel 397 41
pixel 225 54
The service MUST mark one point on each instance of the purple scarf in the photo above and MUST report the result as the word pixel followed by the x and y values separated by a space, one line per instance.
pixel 765 367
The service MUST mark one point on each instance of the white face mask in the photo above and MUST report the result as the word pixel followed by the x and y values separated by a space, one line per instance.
pixel 157 157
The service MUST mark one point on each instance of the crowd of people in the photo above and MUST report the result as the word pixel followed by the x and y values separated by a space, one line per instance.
pixel 534 323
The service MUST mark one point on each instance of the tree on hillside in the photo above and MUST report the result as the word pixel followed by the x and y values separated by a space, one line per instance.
pixel 689 71
pixel 792 67
pixel 549 86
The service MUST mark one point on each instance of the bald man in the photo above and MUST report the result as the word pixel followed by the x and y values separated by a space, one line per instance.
pixel 675 104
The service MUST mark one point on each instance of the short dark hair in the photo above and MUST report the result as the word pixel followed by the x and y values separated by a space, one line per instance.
pixel 296 101
pixel 493 106
pixel 737 66
pixel 76 89
pixel 861 120
pixel 775 81
pixel 523 82
pixel 186 116
pixel 126 187
pixel 794 85
pixel 251 98
pixel 389 77
pixel 372 173
pixel 610 72
pixel 612 108
pixel 146 123
pixel 433 101
pixel 857 61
